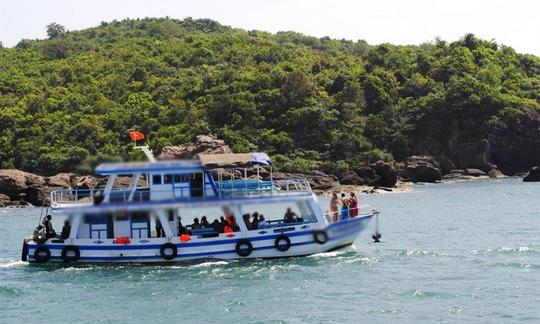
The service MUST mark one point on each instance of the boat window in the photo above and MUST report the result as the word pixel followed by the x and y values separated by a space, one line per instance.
pixel 156 179
pixel 192 221
pixel 258 216
pixel 179 178
pixel 167 179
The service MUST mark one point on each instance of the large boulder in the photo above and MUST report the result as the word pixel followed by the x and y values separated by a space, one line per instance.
pixel 20 185
pixel 350 177
pixel 386 173
pixel 421 169
pixel 369 175
pixel 203 145
pixel 533 175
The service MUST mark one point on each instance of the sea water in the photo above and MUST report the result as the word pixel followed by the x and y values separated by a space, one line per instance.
pixel 450 253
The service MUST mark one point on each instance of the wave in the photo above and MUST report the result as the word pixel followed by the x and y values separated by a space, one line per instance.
pixel 506 250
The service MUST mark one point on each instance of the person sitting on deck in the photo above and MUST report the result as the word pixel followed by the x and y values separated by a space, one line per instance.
pixel 245 217
pixel 255 221
pixel 65 230
pixel 204 222
pixel 196 224
pixel 290 216
pixel 231 223
pixel 222 224
pixel 216 225
pixel 39 234
pixel 262 222
pixel 47 224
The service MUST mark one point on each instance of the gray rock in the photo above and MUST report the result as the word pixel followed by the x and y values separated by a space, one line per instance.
pixel 203 145
pixel 386 173
pixel 350 177
pixel 369 175
pixel 475 172
pixel 421 169
pixel 495 173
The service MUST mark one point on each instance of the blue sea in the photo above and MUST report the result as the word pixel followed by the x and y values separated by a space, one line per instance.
pixel 453 252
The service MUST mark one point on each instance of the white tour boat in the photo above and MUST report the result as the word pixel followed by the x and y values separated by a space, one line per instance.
pixel 150 219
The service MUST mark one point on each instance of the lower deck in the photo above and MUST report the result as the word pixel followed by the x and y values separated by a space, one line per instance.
pixel 287 241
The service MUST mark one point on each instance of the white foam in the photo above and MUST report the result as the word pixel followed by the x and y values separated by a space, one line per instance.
pixel 12 264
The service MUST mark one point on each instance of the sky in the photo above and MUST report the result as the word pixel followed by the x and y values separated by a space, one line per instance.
pixel 513 23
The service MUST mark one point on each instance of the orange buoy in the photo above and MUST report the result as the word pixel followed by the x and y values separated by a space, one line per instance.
pixel 185 237
pixel 122 240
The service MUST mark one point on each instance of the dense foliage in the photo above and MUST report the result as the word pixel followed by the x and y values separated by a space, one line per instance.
pixel 310 102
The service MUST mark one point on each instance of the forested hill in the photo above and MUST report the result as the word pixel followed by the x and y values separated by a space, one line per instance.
pixel 310 102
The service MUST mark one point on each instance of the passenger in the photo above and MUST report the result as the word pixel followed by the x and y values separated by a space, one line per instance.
pixel 344 212
pixel 38 234
pixel 245 217
pixel 159 228
pixel 222 224
pixel 262 222
pixel 255 221
pixel 216 226
pixel 65 230
pixel 47 224
pixel 234 225
pixel 196 224
pixel 290 216
pixel 204 222
pixel 353 203
pixel 334 207
pixel 181 228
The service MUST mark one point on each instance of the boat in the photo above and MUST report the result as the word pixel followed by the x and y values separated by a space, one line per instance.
pixel 141 214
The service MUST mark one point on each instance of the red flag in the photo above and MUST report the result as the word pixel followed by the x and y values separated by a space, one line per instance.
pixel 136 136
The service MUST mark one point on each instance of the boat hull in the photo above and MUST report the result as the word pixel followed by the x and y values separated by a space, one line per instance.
pixel 302 242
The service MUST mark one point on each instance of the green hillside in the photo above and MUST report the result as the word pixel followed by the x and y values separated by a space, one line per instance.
pixel 310 102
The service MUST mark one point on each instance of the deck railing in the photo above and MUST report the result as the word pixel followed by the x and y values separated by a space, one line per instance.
pixel 226 189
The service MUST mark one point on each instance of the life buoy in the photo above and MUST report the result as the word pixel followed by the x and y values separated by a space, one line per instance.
pixel 42 254
pixel 244 248
pixel 320 237
pixel 168 251
pixel 24 255
pixel 278 243
pixel 71 253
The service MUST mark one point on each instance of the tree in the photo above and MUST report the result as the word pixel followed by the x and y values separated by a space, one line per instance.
pixel 55 30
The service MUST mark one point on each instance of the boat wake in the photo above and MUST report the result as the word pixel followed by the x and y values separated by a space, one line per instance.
pixel 12 263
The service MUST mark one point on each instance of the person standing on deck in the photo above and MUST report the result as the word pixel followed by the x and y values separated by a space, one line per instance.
pixel 353 205
pixel 344 212
pixel 334 207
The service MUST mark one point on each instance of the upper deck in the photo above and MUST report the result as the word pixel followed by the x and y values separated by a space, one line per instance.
pixel 213 177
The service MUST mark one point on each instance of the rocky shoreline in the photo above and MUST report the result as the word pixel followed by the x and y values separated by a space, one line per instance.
pixel 23 189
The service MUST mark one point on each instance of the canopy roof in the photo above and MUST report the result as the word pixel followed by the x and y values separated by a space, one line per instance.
pixel 145 167
pixel 238 160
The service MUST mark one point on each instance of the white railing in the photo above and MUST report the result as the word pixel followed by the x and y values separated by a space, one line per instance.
pixel 226 189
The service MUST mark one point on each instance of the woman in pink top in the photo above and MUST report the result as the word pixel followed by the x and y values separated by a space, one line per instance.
pixel 353 205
